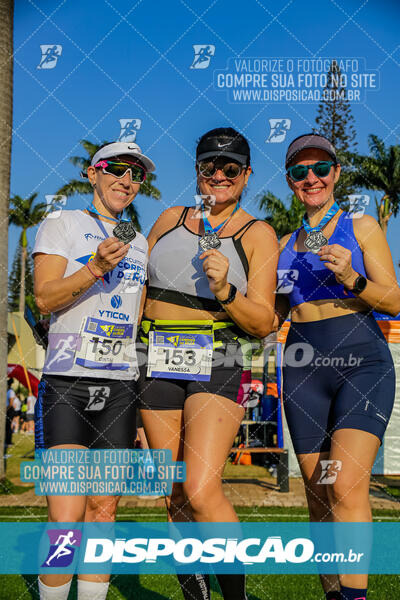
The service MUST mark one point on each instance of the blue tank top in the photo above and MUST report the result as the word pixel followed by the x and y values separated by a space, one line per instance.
pixel 302 276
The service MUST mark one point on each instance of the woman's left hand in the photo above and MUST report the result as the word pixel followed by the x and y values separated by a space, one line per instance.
pixel 338 260
pixel 216 267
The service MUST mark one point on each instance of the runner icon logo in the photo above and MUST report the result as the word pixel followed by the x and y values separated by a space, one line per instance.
pixel 97 397
pixel 286 280
pixel 50 55
pixel 63 543
pixel 278 130
pixel 202 56
pixel 330 471
pixel 129 128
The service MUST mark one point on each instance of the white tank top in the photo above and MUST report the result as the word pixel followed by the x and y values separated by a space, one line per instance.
pixel 94 336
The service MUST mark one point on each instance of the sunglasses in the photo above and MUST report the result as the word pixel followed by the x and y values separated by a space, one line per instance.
pixel 320 169
pixel 208 169
pixel 118 170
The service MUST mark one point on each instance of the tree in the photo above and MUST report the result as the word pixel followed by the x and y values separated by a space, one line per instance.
pixel 82 186
pixel 380 171
pixel 23 213
pixel 14 283
pixel 335 121
pixel 6 104
pixel 283 220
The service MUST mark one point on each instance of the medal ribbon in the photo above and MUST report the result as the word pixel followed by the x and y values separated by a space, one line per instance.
pixel 93 209
pixel 207 226
pixel 329 215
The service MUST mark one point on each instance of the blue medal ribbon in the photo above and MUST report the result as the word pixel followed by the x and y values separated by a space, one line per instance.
pixel 329 215
pixel 207 226
pixel 93 209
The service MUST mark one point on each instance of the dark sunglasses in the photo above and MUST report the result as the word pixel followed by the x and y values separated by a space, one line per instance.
pixel 208 168
pixel 118 170
pixel 320 169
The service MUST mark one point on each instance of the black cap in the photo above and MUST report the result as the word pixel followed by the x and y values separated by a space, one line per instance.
pixel 309 140
pixel 233 146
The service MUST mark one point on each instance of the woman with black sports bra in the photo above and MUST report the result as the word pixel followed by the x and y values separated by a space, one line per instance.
pixel 338 378
pixel 212 277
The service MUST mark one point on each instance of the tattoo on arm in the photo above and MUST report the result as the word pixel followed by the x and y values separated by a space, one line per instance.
pixel 78 292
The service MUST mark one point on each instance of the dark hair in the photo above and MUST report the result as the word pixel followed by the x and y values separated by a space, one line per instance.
pixel 228 134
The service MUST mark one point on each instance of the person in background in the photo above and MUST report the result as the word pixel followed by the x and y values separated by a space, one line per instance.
pixel 30 413
pixel 9 412
pixel 17 414
pixel 23 425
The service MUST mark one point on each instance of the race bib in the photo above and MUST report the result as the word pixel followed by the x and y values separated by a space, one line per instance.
pixel 104 345
pixel 177 355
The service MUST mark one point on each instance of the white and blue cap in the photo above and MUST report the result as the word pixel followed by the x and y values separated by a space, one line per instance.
pixel 126 148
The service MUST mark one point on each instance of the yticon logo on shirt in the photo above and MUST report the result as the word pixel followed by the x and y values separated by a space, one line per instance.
pixel 63 543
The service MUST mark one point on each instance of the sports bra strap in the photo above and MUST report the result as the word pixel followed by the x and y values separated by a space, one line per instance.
pixel 178 224
pixel 182 218
pixel 244 228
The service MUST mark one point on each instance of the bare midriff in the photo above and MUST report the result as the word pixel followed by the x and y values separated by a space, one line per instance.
pixel 155 309
pixel 327 309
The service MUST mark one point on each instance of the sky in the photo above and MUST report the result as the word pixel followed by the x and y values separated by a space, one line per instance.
pixel 135 60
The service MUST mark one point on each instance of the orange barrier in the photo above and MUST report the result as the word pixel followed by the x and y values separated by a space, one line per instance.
pixel 391 331
pixel 282 333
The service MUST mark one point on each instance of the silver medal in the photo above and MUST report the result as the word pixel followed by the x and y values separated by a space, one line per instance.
pixel 209 241
pixel 125 231
pixel 314 241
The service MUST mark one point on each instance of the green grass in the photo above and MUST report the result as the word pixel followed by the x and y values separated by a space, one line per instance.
pixel 162 587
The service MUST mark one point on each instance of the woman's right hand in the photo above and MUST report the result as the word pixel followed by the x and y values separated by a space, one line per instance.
pixel 108 254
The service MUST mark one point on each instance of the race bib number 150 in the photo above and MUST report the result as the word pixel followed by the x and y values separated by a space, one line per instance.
pixel 104 345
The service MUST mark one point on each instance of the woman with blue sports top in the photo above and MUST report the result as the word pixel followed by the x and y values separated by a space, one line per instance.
pixel 338 378
pixel 212 275
pixel 90 267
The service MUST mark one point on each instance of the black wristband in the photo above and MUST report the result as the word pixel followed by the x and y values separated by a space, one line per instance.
pixel 231 296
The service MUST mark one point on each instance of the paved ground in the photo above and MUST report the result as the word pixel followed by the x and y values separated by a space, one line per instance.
pixel 262 491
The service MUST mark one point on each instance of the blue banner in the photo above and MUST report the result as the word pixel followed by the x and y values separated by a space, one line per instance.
pixel 200 547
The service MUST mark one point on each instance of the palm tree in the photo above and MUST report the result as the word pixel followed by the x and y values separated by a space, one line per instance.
pixel 380 171
pixel 6 104
pixel 283 220
pixel 82 186
pixel 23 214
